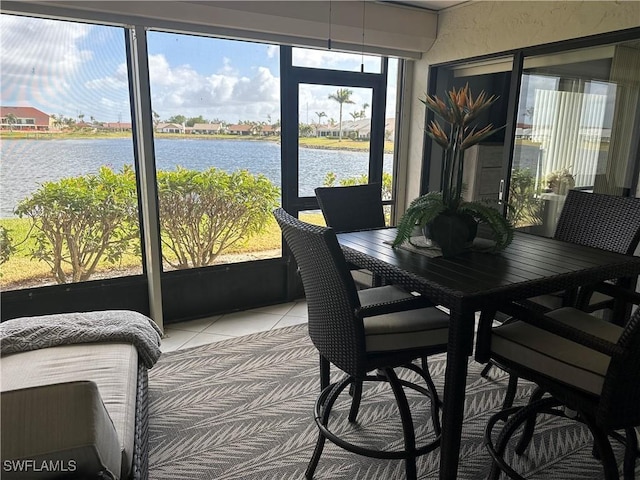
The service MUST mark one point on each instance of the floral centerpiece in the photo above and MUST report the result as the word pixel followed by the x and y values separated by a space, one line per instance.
pixel 451 221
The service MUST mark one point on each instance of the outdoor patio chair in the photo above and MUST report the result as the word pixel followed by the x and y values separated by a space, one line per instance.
pixel 608 222
pixel 352 208
pixel 596 220
pixel 584 368
pixel 363 332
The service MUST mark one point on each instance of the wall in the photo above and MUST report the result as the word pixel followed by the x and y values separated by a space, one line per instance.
pixel 479 28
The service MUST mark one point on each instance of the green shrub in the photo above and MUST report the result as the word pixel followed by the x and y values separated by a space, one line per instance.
pixel 6 245
pixel 387 182
pixel 80 220
pixel 203 213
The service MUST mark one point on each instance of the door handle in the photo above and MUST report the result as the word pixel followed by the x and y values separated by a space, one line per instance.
pixel 501 191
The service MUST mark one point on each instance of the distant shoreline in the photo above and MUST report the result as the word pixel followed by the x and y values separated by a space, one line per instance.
pixel 320 143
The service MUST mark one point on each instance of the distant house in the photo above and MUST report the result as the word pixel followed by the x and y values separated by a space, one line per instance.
pixel 242 129
pixel 24 118
pixel 117 126
pixel 360 129
pixel 268 130
pixel 206 128
pixel 170 128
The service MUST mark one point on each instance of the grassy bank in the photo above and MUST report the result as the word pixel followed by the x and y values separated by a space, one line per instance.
pixel 21 271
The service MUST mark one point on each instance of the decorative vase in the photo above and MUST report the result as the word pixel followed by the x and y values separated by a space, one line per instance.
pixel 453 233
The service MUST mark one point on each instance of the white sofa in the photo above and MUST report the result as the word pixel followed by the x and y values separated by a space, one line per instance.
pixel 76 410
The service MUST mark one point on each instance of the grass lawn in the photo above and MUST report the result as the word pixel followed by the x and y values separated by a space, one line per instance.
pixel 21 268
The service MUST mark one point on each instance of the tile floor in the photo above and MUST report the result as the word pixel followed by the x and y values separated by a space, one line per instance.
pixel 223 327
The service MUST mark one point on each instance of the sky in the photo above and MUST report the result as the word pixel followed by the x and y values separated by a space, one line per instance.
pixel 72 69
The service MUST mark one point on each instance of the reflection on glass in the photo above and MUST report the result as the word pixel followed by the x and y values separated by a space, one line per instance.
pixel 216 105
pixel 69 210
pixel 570 106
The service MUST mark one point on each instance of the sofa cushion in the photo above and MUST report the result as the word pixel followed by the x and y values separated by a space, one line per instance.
pixel 112 366
pixel 58 429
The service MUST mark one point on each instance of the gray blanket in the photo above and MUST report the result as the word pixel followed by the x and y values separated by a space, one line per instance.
pixel 31 333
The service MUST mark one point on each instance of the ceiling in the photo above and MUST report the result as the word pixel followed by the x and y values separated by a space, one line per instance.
pixel 433 5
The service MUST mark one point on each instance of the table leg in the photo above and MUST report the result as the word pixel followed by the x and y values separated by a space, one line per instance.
pixel 459 349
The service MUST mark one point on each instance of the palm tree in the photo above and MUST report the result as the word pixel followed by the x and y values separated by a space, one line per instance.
pixel 363 113
pixel 320 115
pixel 11 120
pixel 342 96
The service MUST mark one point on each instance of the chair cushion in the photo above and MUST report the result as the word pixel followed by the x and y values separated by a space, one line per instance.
pixel 388 293
pixel 422 327
pixel 402 330
pixel 113 367
pixel 555 356
pixel 53 430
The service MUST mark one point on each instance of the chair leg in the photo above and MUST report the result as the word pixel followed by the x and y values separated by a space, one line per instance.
pixel 529 427
pixel 603 445
pixel 513 418
pixel 510 394
pixel 324 373
pixel 487 368
pixel 356 392
pixel 630 453
pixel 407 423
pixel 324 404
pixel 436 403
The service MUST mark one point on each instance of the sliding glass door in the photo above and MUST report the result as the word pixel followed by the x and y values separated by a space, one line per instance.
pixel 571 120
pixel 577 127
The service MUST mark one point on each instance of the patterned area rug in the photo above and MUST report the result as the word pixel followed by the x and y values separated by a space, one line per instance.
pixel 242 409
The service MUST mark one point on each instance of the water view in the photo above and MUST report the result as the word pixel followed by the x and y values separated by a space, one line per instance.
pixel 25 164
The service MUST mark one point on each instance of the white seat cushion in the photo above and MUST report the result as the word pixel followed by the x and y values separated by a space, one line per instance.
pixel 555 356
pixel 403 330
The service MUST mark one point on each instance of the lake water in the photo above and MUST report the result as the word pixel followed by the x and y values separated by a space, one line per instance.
pixel 25 164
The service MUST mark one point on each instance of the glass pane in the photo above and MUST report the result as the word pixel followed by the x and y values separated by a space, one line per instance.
pixel 216 105
pixel 576 124
pixel 312 216
pixel 69 210
pixel 333 60
pixel 390 140
pixel 334 128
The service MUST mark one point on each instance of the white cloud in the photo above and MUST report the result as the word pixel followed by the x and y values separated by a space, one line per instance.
pixel 181 90
pixel 27 41
pixel 48 64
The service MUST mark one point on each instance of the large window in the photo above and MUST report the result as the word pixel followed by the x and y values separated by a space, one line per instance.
pixel 69 208
pixel 73 160
pixel 216 109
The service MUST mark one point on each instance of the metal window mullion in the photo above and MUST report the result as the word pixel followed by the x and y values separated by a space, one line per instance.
pixel 143 137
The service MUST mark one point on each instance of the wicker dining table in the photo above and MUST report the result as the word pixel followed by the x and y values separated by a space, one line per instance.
pixel 479 281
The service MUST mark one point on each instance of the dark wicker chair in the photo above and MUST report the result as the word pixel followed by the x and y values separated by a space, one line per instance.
pixel 596 220
pixel 586 364
pixel 353 208
pixel 360 332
